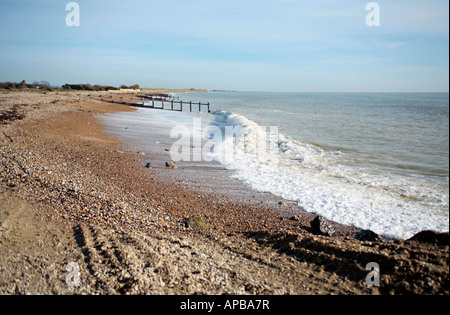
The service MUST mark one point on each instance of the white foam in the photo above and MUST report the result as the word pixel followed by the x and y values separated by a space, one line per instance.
pixel 326 183
pixel 322 181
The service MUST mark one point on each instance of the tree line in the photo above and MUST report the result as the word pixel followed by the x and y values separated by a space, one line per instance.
pixel 45 86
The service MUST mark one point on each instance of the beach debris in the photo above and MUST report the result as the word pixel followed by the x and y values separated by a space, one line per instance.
pixel 140 153
pixel 171 165
pixel 322 226
pixel 431 237
pixel 9 116
pixel 9 138
pixel 195 223
pixel 148 165
pixel 367 236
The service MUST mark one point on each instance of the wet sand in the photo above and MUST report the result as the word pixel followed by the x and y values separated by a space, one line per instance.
pixel 80 195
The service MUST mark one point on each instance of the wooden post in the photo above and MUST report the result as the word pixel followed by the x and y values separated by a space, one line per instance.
pixel 153 103
pixel 190 103
pixel 172 104
pixel 143 101
pixel 199 106
pixel 181 106
pixel 162 103
pixel 209 111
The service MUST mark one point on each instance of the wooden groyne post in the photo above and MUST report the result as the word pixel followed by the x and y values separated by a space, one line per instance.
pixel 154 100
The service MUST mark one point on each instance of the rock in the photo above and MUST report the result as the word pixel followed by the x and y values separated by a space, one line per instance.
pixel 296 218
pixel 431 237
pixel 195 223
pixel 148 165
pixel 322 226
pixel 171 165
pixel 367 236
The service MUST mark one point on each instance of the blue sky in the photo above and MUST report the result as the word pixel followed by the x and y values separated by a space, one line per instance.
pixel 257 45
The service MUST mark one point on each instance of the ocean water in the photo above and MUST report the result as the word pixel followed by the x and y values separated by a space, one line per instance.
pixel 375 161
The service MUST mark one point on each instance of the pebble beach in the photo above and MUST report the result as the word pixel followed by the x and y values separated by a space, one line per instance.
pixel 71 192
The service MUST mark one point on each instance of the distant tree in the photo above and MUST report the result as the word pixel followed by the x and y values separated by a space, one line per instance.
pixel 88 87
pixel 45 84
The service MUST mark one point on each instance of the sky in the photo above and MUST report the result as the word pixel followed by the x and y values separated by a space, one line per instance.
pixel 245 45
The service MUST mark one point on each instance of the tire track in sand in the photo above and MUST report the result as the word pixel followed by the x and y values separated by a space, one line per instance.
pixel 136 263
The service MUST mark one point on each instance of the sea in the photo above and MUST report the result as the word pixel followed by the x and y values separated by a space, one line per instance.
pixel 377 161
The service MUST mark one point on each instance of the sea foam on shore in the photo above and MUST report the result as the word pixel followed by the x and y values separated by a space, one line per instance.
pixel 320 180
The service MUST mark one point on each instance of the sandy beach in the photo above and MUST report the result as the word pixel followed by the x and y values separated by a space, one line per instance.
pixel 72 193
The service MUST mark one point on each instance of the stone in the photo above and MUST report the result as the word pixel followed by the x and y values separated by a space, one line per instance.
pixel 171 165
pixel 322 226
pixel 195 223
pixel 367 236
pixel 431 237
pixel 148 165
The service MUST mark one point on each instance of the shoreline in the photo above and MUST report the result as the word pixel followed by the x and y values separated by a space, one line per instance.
pixel 209 178
pixel 59 160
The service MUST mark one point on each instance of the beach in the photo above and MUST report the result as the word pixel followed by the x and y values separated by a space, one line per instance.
pixel 73 193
